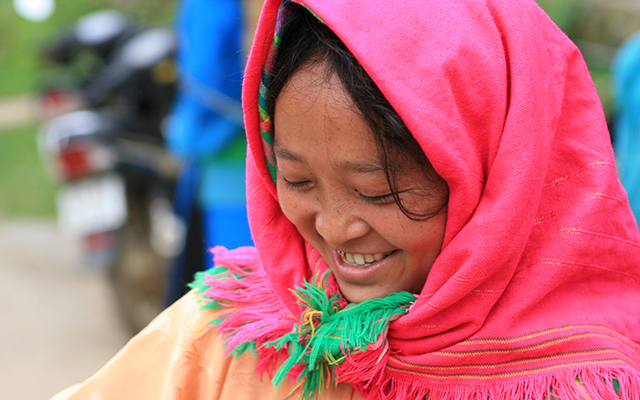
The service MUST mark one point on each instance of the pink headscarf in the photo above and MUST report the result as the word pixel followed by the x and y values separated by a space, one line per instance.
pixel 537 289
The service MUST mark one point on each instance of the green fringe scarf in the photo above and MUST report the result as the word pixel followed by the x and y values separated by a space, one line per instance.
pixel 329 333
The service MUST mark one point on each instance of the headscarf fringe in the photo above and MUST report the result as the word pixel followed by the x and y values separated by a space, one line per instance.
pixel 334 338
pixel 337 342
pixel 331 334
pixel 584 383
pixel 247 312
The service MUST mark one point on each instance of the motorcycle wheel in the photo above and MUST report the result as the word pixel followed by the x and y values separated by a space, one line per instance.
pixel 138 273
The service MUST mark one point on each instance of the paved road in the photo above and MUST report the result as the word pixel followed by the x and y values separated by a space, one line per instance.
pixel 58 322
pixel 17 110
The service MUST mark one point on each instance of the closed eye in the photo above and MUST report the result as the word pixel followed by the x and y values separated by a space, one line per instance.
pixel 294 185
pixel 384 199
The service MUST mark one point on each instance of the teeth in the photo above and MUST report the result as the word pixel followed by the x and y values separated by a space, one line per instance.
pixel 350 258
pixel 362 259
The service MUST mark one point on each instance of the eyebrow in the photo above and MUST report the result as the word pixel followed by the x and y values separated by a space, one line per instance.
pixel 285 154
pixel 367 167
pixel 372 166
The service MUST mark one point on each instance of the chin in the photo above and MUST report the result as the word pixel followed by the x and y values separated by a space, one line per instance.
pixel 358 294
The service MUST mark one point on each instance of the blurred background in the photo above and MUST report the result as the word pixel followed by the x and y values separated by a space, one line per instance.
pixel 60 321
pixel 84 97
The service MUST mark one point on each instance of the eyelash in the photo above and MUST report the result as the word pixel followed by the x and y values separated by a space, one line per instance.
pixel 369 199
pixel 294 185
pixel 376 199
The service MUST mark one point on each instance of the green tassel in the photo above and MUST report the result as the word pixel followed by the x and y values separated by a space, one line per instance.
pixel 218 273
pixel 327 333
pixel 245 347
pixel 200 286
pixel 198 282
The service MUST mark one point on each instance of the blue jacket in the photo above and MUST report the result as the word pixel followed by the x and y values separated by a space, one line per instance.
pixel 626 85
pixel 207 115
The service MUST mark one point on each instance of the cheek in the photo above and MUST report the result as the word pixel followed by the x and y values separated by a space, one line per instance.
pixel 432 236
pixel 296 209
pixel 419 239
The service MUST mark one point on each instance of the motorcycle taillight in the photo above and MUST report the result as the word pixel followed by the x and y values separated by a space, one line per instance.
pixel 82 159
pixel 55 102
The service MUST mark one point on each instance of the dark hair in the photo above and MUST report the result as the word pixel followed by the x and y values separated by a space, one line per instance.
pixel 307 41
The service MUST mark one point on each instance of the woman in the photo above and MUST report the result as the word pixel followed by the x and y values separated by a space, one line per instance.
pixel 436 214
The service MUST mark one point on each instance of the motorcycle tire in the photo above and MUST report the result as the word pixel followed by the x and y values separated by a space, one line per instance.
pixel 138 273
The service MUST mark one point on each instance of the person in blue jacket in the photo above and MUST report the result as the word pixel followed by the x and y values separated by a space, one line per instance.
pixel 205 131
pixel 626 134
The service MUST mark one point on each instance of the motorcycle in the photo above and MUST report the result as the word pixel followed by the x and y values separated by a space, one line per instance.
pixel 102 139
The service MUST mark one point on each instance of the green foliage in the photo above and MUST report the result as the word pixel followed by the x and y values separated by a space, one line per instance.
pixel 570 16
pixel 602 79
pixel 21 41
pixel 565 13
pixel 25 189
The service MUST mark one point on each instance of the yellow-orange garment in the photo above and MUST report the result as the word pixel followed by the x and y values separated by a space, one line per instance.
pixel 174 358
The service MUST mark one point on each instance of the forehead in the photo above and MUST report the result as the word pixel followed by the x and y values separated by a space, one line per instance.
pixel 314 88
pixel 314 113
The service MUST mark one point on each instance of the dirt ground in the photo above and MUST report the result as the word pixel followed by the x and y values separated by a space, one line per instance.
pixel 59 323
pixel 17 110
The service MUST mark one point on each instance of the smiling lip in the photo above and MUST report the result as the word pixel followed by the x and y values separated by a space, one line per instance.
pixel 359 273
pixel 362 259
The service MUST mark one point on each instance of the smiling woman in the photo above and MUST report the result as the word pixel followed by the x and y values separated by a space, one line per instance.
pixel 332 187
pixel 436 211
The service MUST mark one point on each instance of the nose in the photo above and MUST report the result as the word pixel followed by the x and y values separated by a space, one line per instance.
pixel 339 222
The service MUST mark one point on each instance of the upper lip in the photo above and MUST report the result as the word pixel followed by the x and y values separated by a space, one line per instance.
pixel 365 252
pixel 366 258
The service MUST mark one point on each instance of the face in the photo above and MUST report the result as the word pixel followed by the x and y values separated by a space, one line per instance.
pixel 332 187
